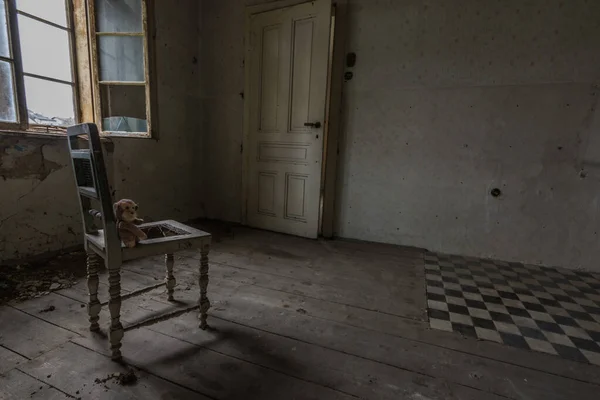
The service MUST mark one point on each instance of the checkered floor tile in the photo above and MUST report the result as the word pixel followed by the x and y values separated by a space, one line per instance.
pixel 543 309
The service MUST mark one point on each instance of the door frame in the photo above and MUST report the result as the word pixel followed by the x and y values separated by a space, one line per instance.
pixel 333 110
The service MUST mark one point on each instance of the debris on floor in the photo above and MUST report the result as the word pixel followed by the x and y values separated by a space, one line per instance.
pixel 28 280
pixel 48 309
pixel 128 378
pixel 122 378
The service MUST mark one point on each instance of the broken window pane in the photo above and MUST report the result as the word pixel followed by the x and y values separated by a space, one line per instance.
pixel 8 108
pixel 4 44
pixel 119 16
pixel 124 124
pixel 45 49
pixel 121 58
pixel 49 103
pixel 123 108
pixel 50 10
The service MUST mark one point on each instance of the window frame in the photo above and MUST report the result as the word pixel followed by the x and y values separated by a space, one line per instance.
pixel 148 36
pixel 22 125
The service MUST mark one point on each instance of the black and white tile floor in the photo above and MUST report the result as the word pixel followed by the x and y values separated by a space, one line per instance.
pixel 550 310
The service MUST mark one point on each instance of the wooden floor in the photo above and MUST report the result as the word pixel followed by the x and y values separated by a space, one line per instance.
pixel 291 319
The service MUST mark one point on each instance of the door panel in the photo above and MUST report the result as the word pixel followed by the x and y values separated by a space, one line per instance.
pixel 302 33
pixel 287 60
pixel 269 78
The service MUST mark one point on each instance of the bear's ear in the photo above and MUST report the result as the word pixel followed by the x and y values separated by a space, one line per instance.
pixel 117 210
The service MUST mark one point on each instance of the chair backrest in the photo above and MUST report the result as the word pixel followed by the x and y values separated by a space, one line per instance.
pixel 92 184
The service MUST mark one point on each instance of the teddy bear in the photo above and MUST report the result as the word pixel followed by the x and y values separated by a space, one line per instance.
pixel 126 215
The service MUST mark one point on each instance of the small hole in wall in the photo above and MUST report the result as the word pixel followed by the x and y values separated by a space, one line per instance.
pixel 495 192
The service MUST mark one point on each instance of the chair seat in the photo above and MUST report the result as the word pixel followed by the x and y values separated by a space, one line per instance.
pixel 164 237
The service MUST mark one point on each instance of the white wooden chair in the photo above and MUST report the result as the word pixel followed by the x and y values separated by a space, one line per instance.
pixel 92 184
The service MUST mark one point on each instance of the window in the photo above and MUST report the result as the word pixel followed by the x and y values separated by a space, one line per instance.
pixel 119 41
pixel 37 85
pixel 45 44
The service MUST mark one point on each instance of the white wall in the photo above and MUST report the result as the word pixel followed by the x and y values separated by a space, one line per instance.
pixel 450 98
pixel 38 203
pixel 453 98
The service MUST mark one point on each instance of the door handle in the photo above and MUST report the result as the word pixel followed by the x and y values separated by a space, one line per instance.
pixel 313 124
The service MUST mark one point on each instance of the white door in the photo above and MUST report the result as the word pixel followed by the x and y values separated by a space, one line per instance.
pixel 287 58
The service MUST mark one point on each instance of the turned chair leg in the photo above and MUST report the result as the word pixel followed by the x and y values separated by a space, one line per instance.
pixel 93 261
pixel 170 278
pixel 114 305
pixel 204 302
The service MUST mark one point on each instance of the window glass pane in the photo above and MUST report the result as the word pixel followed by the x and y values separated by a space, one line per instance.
pixel 8 108
pixel 50 10
pixel 4 45
pixel 49 103
pixel 118 15
pixel 121 58
pixel 123 108
pixel 45 49
pixel 124 124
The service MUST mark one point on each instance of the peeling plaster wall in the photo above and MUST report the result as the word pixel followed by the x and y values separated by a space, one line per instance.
pixel 39 212
pixel 450 99
pixel 38 204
